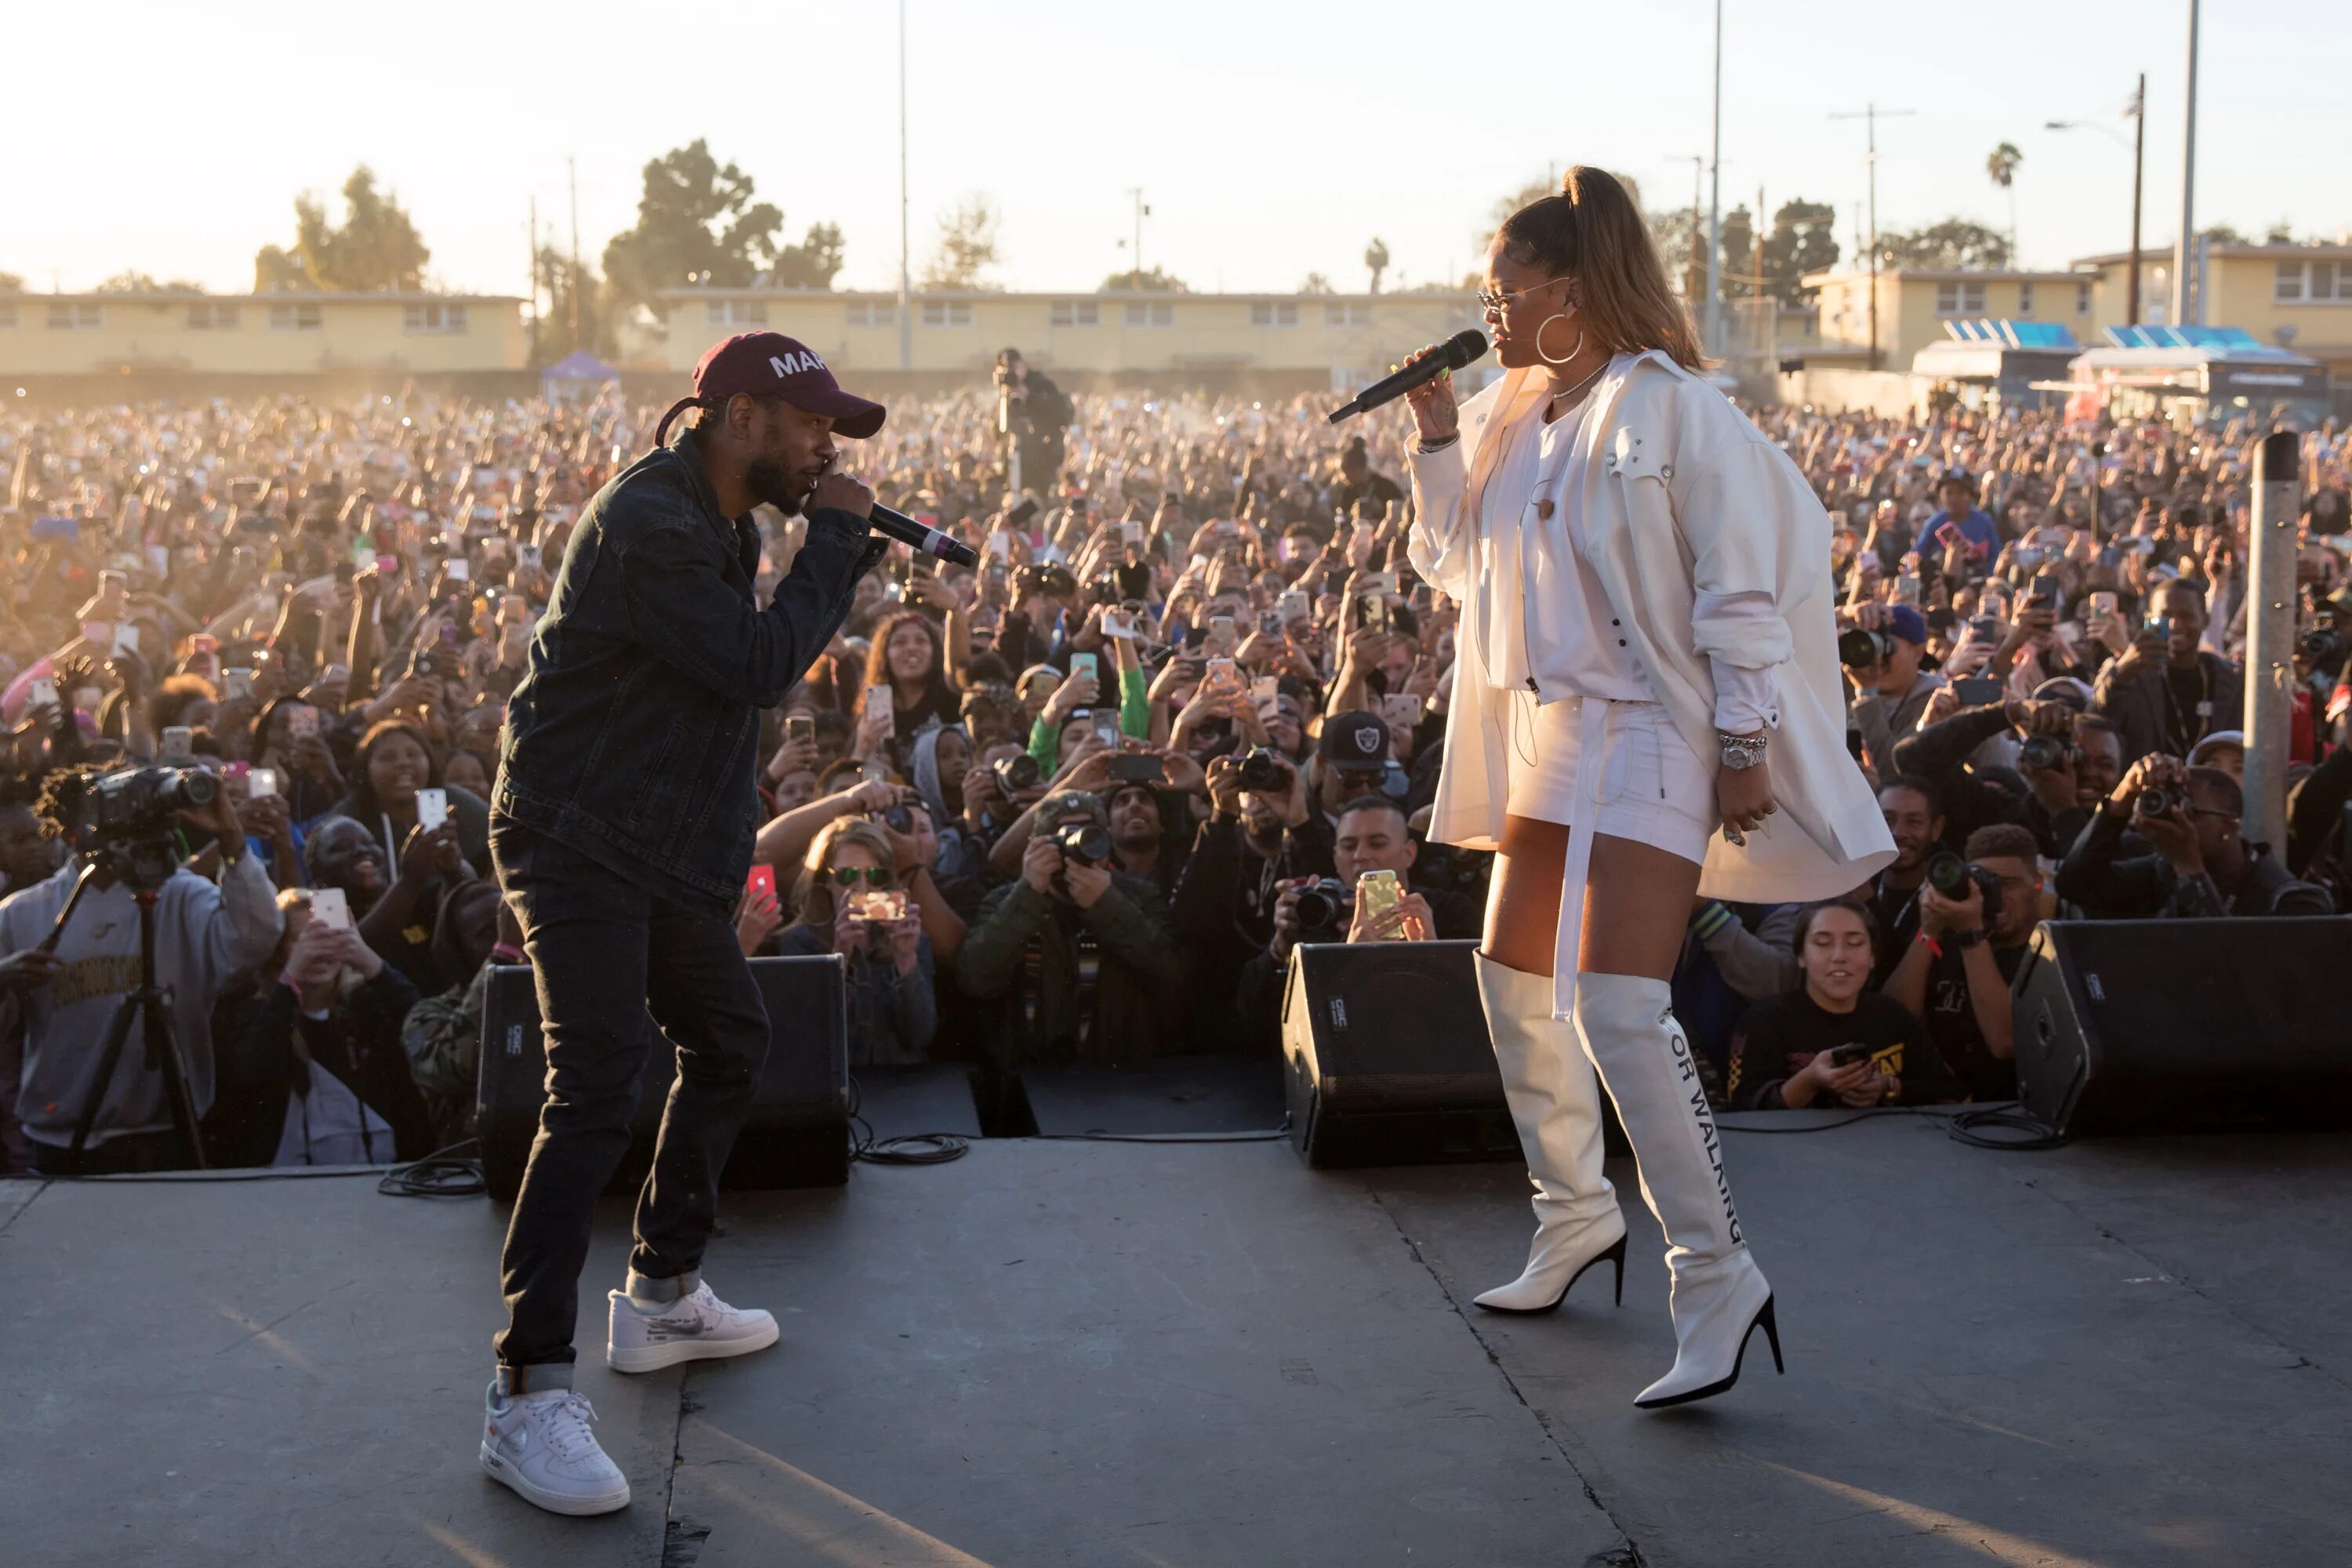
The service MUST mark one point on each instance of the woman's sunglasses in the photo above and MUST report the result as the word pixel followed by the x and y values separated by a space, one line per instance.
pixel 872 876
pixel 1497 299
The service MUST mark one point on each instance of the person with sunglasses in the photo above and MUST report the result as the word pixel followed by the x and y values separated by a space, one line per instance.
pixel 1647 655
pixel 2202 867
pixel 894 1009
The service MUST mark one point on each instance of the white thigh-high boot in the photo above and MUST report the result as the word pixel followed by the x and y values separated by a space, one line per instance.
pixel 1556 1105
pixel 1719 1295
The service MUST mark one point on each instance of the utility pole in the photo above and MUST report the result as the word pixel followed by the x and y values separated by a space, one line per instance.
pixel 1714 198
pixel 2184 244
pixel 2270 633
pixel 906 289
pixel 1870 117
pixel 571 178
pixel 2139 157
pixel 1135 277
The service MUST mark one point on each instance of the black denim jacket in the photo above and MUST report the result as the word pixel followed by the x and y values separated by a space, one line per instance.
pixel 632 736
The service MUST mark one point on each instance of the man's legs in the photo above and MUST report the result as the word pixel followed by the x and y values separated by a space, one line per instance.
pixel 586 931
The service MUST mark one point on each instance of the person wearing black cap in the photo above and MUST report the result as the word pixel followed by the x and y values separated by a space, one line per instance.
pixel 621 825
pixel 1359 483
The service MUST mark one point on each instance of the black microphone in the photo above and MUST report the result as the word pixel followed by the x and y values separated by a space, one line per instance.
pixel 1462 348
pixel 929 540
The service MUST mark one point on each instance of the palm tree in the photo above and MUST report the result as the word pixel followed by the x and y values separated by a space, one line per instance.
pixel 2002 166
pixel 1376 258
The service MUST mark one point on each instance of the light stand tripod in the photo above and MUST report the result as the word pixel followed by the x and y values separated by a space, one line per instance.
pixel 148 1003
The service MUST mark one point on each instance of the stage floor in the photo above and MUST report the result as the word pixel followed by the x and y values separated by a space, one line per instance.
pixel 1207 1356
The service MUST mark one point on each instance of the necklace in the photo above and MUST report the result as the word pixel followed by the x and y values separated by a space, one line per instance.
pixel 1581 385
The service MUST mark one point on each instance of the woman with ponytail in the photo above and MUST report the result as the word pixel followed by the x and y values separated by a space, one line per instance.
pixel 1647 709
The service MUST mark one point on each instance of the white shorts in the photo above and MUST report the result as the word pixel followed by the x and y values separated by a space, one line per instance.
pixel 1653 789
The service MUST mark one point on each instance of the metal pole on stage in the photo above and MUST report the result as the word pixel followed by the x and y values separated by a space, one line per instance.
pixel 2184 244
pixel 2270 635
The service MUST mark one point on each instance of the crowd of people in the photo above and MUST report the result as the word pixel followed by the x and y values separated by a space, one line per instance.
pixel 1085 800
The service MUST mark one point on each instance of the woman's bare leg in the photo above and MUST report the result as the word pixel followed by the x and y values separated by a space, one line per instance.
pixel 1637 904
pixel 1523 898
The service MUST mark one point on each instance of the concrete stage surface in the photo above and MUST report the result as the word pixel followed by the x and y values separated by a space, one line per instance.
pixel 1207 1356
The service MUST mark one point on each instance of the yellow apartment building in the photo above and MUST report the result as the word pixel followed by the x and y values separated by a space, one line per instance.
pixel 76 344
pixel 2296 296
pixel 1913 304
pixel 1280 342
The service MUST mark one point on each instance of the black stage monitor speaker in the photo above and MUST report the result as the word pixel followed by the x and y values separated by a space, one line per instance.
pixel 1387 1057
pixel 2181 1026
pixel 796 1135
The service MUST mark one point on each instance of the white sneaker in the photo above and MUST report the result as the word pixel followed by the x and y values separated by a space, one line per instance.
pixel 540 1445
pixel 699 1327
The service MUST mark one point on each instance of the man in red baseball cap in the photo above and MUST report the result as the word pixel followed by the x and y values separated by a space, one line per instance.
pixel 622 824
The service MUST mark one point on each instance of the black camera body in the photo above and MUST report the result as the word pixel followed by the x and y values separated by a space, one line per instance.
pixel 1084 840
pixel 1949 875
pixel 1266 770
pixel 1015 772
pixel 127 817
pixel 1322 908
pixel 2157 801
pixel 2046 752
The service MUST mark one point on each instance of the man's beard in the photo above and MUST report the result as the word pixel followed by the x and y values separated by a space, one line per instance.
pixel 777 485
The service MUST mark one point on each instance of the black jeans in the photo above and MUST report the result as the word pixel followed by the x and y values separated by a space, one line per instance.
pixel 605 953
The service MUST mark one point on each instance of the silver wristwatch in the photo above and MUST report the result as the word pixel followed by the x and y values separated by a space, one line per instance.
pixel 1741 751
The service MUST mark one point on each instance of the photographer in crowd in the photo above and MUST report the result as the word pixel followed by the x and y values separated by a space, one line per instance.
pixel 2068 759
pixel 2166 692
pixel 1884 654
pixel 2201 867
pixel 1036 419
pixel 1256 842
pixel 66 991
pixel 1374 841
pixel 1079 959
pixel 846 902
pixel 1977 914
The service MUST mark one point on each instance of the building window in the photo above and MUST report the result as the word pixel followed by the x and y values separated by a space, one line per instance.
pixel 2082 299
pixel 1347 315
pixel 432 318
pixel 735 313
pixel 2314 282
pixel 212 318
pixel 1077 313
pixel 872 313
pixel 76 318
pixel 1274 313
pixel 295 319
pixel 1150 313
pixel 2025 298
pixel 1959 298
pixel 946 313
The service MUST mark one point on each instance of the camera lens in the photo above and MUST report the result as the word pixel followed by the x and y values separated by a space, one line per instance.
pixel 1319 906
pixel 2042 751
pixel 1263 769
pixel 1948 873
pixel 1859 648
pixel 1083 840
pixel 2154 802
pixel 1015 772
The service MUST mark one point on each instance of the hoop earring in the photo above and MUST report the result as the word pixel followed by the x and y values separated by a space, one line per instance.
pixel 1548 320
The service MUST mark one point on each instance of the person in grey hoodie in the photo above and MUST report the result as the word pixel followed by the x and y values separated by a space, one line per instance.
pixel 62 1000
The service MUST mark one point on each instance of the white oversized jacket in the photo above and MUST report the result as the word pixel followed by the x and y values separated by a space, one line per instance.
pixel 1682 494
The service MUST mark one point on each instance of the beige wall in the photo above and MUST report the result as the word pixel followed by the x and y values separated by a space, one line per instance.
pixel 1332 338
pixel 132 334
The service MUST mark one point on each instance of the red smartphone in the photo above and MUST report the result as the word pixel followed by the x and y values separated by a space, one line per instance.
pixel 763 879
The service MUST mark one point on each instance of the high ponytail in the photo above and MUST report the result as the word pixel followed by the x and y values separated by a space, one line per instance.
pixel 1593 233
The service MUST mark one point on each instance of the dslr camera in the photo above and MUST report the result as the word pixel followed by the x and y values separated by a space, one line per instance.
pixel 1264 771
pixel 2046 752
pixel 1084 840
pixel 1322 909
pixel 1949 875
pixel 1861 648
pixel 2158 801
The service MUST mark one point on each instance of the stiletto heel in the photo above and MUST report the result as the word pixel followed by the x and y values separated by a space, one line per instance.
pixel 1772 1335
pixel 1615 1254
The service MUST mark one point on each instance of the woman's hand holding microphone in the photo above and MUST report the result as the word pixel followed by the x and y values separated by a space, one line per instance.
pixel 1434 412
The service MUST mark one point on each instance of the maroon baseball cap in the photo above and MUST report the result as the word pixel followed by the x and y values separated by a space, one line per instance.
pixel 771 364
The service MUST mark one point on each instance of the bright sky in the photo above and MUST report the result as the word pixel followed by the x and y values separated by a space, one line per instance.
pixel 1272 138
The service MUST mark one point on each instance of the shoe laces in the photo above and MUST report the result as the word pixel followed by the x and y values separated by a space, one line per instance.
pixel 565 1424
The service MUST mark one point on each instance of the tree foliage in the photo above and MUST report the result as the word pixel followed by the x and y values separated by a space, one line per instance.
pixel 1153 280
pixel 697 224
pixel 1952 242
pixel 564 287
pixel 967 245
pixel 11 283
pixel 135 282
pixel 374 249
pixel 1319 284
pixel 1803 239
pixel 1376 260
